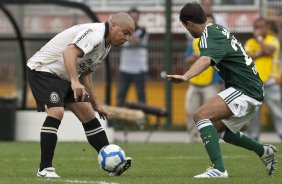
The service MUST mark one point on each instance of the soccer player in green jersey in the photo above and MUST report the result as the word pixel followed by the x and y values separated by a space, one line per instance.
pixel 225 114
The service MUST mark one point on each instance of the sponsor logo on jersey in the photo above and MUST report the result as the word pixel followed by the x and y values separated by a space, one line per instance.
pixel 54 97
pixel 96 46
pixel 84 34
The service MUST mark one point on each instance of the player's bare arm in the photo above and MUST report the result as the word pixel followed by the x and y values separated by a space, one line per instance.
pixel 88 84
pixel 71 53
pixel 200 65
pixel 192 59
pixel 266 49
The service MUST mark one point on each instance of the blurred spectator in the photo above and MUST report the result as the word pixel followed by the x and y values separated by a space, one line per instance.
pixel 238 2
pixel 133 63
pixel 201 88
pixel 207 6
pixel 264 49
pixel 273 30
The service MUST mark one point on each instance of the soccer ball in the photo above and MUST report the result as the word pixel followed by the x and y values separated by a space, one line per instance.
pixel 111 158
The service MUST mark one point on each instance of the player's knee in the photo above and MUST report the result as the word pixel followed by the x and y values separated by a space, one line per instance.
pixel 56 112
pixel 88 117
pixel 199 115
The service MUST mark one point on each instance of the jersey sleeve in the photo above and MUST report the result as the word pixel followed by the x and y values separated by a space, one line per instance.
pixel 87 40
pixel 212 48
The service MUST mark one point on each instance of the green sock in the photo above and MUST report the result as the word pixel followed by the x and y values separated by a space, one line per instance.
pixel 210 139
pixel 241 140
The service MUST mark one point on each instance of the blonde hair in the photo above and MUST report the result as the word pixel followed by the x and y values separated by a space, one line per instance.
pixel 122 18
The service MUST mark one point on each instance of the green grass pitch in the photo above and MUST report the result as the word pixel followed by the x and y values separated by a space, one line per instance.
pixel 152 164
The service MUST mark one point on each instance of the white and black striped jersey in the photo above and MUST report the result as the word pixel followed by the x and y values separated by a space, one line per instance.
pixel 90 38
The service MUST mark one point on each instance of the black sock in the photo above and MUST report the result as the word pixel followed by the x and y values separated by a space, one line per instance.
pixel 48 141
pixel 95 134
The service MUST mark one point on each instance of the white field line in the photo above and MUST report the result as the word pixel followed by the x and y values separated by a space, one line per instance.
pixel 83 181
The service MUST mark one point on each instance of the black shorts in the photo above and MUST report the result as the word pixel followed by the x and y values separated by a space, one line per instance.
pixel 49 89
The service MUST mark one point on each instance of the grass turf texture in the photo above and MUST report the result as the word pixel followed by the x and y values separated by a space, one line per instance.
pixel 152 164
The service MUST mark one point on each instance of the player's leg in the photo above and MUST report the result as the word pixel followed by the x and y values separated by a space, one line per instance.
pixel 123 85
pixel 95 133
pixel 254 127
pixel 139 81
pixel 212 111
pixel 192 102
pixel 273 100
pixel 243 108
pixel 49 98
pixel 48 141
pixel 266 152
pixel 210 91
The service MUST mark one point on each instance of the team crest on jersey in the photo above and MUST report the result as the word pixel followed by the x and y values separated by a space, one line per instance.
pixel 54 97
pixel 86 45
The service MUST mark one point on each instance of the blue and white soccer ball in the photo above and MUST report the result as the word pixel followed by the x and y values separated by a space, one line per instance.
pixel 111 158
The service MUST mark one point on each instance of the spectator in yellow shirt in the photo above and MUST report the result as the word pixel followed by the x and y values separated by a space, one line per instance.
pixel 202 87
pixel 264 49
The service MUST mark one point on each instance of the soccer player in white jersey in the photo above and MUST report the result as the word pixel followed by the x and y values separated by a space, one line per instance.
pixel 59 75
pixel 229 110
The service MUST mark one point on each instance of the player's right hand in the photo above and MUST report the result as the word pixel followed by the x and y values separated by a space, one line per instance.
pixel 104 113
pixel 79 91
pixel 176 78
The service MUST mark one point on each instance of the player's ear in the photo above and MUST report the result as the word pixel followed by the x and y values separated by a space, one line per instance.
pixel 114 24
pixel 189 24
pixel 184 23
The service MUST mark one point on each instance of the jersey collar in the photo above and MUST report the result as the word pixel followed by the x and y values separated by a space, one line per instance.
pixel 106 33
pixel 209 24
pixel 106 30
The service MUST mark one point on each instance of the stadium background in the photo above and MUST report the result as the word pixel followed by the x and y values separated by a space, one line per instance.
pixel 39 23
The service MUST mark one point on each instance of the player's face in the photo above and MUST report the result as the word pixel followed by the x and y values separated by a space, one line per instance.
pixel 135 17
pixel 210 20
pixel 260 28
pixel 121 33
pixel 191 28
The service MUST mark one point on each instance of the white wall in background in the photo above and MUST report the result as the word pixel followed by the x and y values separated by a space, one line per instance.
pixel 28 125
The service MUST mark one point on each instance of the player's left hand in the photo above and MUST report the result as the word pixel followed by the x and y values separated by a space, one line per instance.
pixel 103 112
pixel 176 78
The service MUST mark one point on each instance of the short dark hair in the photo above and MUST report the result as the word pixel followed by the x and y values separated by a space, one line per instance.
pixel 260 19
pixel 209 15
pixel 134 10
pixel 192 12
pixel 273 26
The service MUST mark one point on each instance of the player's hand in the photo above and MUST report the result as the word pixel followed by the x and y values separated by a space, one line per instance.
pixel 258 35
pixel 79 91
pixel 176 78
pixel 103 112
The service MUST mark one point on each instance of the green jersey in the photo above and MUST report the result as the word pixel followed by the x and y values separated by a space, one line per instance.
pixel 231 61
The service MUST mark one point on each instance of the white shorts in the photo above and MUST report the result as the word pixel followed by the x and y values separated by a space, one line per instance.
pixel 242 106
